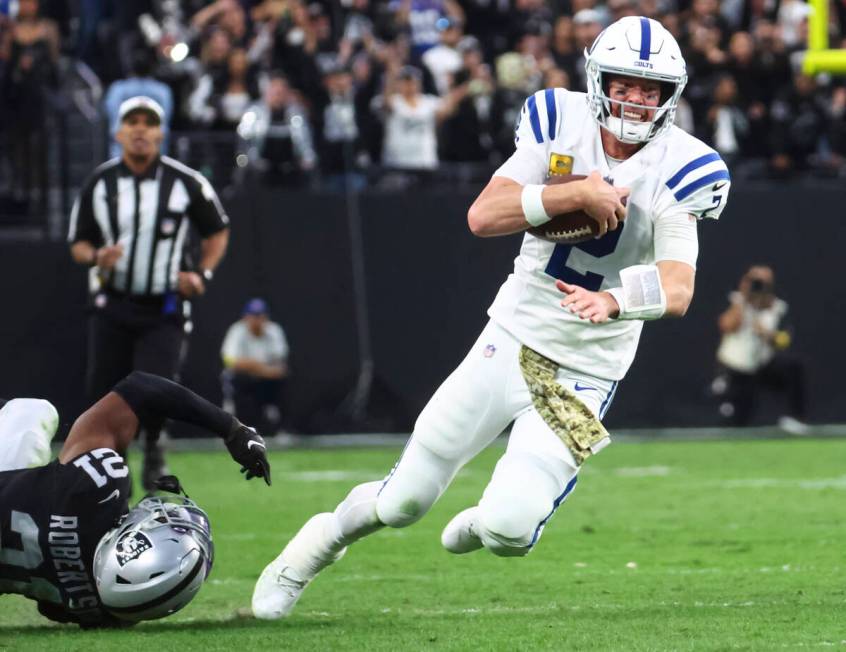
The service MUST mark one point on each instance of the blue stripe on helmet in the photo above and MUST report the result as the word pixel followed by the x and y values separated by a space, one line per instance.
pixel 704 181
pixel 551 111
pixel 567 490
pixel 645 38
pixel 534 118
pixel 673 181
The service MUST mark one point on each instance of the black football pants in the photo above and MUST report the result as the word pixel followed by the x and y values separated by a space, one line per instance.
pixel 782 374
pixel 126 335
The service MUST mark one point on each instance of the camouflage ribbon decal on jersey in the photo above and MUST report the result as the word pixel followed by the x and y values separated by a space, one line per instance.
pixel 568 417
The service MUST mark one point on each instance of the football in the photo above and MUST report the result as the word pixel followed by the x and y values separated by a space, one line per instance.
pixel 567 228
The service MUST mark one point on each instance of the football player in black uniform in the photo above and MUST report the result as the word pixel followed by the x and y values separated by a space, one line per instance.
pixel 67 538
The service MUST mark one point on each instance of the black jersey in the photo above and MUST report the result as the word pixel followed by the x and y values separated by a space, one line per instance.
pixel 51 519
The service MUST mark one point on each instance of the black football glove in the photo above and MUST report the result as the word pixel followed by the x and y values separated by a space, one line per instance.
pixel 247 448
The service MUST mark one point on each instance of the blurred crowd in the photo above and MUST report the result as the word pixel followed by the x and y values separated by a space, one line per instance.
pixel 334 91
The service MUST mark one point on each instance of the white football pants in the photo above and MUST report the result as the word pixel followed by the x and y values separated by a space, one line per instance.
pixel 469 410
pixel 27 425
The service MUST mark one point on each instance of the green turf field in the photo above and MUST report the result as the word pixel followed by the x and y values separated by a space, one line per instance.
pixel 664 546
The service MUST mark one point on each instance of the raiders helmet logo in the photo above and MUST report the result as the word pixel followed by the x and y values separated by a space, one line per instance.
pixel 131 546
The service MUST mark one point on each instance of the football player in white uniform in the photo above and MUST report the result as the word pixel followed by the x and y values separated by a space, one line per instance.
pixel 565 325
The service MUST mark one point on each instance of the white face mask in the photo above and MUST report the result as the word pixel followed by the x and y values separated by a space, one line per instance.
pixel 632 131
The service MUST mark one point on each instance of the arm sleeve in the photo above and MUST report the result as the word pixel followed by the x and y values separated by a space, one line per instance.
pixel 538 124
pixel 205 210
pixel 83 225
pixel 154 399
pixel 676 239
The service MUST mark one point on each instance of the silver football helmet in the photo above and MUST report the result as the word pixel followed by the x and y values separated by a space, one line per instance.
pixel 636 47
pixel 154 562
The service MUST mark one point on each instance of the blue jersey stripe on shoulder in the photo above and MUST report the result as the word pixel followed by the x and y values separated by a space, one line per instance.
pixel 534 118
pixel 690 167
pixel 551 111
pixel 719 175
pixel 645 38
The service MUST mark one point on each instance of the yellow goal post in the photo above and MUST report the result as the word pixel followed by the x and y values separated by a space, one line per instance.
pixel 819 58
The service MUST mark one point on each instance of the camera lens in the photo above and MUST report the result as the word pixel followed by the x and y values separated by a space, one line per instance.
pixel 759 286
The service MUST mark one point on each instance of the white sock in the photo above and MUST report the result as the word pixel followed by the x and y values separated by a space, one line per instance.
pixel 356 516
pixel 310 551
pixel 324 537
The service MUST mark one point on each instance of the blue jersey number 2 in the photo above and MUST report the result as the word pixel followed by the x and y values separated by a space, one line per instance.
pixel 557 266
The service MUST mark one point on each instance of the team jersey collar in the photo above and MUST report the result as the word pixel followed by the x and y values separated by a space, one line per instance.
pixel 149 173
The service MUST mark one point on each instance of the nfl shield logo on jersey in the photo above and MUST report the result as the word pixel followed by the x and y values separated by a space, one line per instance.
pixel 168 226
pixel 489 351
pixel 131 546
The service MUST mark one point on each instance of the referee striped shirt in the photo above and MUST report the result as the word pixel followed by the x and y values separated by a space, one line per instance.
pixel 150 216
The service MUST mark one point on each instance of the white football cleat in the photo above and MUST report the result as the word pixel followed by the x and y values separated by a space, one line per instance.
pixel 285 578
pixel 277 590
pixel 459 536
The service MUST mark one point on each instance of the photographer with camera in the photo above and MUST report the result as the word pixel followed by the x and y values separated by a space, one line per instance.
pixel 752 354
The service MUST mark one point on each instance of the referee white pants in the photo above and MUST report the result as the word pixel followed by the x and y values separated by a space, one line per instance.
pixel 27 425
pixel 469 410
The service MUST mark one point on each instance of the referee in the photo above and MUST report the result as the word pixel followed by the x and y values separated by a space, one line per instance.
pixel 130 225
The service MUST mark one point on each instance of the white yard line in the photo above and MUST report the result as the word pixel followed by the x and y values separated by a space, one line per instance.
pixel 332 475
pixel 548 608
pixel 642 471
pixel 779 483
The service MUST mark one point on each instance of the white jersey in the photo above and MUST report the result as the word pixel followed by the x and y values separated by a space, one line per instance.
pixel 240 342
pixel 411 133
pixel 745 350
pixel 672 178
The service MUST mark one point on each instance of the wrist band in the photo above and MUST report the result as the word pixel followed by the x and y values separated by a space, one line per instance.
pixel 641 295
pixel 620 298
pixel 532 200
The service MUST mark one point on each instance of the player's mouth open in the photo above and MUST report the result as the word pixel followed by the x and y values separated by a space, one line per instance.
pixel 633 115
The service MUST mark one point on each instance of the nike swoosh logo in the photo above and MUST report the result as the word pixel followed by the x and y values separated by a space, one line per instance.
pixel 717 186
pixel 114 494
pixel 583 388
pixel 253 442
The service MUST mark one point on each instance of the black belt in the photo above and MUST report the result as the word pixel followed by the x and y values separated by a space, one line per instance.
pixel 141 299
